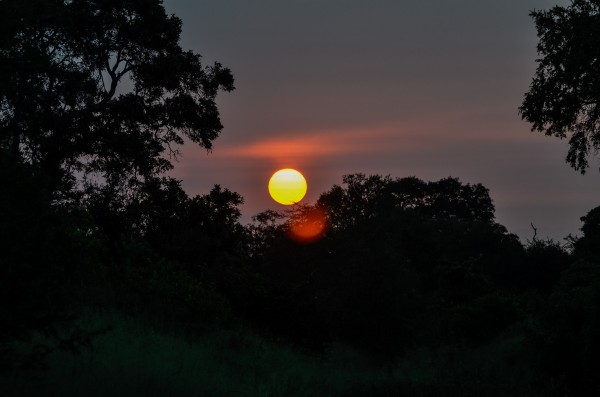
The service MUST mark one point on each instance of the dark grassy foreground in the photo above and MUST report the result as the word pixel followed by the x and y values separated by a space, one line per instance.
pixel 133 360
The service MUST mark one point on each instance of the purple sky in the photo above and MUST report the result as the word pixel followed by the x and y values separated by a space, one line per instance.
pixel 426 88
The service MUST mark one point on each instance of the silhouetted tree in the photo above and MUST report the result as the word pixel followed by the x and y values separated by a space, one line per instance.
pixel 95 98
pixel 266 228
pixel 544 264
pixel 401 262
pixel 189 229
pixel 365 197
pixel 588 245
pixel 49 261
pixel 567 330
pixel 564 96
pixel 102 88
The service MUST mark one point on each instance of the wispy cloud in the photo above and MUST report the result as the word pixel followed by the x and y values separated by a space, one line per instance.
pixel 437 128
pixel 321 143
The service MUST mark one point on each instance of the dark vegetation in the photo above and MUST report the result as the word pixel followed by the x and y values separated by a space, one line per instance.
pixel 562 100
pixel 413 289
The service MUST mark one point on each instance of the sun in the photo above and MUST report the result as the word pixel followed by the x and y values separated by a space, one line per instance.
pixel 287 186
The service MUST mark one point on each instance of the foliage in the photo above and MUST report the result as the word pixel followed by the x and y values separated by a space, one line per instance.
pixel 49 261
pixel 563 98
pixel 566 329
pixel 95 96
pixel 436 298
pixel 181 228
pixel 366 197
pixel 588 246
pixel 545 262
pixel 134 359
pixel 264 231
pixel 101 88
pixel 392 248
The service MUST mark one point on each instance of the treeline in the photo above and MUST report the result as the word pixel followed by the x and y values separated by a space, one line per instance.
pixel 402 265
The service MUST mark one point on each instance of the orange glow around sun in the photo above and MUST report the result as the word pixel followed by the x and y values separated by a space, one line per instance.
pixel 287 186
pixel 308 228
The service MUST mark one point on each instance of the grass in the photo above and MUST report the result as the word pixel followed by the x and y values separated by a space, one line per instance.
pixel 133 360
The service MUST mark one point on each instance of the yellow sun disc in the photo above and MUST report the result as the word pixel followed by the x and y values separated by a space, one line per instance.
pixel 287 186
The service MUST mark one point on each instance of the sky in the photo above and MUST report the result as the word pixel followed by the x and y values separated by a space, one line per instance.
pixel 403 88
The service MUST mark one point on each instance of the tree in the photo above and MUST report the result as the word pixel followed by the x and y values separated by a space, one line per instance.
pixel 366 197
pixel 98 93
pixel 194 231
pixel 101 87
pixel 564 96
pixel 588 246
pixel 48 264
pixel 400 262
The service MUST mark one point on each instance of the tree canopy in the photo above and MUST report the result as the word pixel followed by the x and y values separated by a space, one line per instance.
pixel 95 98
pixel 102 87
pixel 564 95
pixel 366 197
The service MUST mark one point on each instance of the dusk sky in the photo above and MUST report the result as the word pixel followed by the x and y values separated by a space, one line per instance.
pixel 407 88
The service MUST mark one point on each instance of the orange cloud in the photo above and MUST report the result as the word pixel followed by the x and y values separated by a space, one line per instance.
pixel 439 128
pixel 316 144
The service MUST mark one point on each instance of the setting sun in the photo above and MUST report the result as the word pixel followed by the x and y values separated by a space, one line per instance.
pixel 287 186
